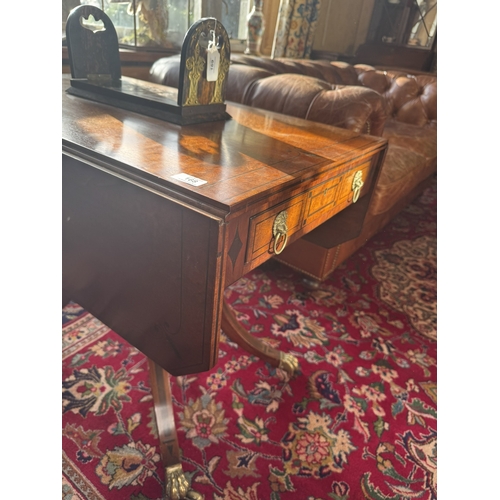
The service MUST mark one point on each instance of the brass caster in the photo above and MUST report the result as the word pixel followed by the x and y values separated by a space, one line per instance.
pixel 192 495
pixel 288 363
pixel 177 487
pixel 310 283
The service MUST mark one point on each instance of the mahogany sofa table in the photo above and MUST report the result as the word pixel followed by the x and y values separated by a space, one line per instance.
pixel 158 219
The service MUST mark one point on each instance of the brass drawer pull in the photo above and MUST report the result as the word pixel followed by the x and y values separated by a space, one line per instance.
pixel 280 232
pixel 357 184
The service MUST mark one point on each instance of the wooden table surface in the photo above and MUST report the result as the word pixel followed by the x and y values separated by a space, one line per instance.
pixel 151 255
pixel 242 160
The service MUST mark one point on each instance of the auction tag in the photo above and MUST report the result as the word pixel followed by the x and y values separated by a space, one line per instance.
pixel 189 179
pixel 213 58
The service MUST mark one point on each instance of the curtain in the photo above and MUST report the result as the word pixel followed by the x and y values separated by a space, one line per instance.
pixel 297 20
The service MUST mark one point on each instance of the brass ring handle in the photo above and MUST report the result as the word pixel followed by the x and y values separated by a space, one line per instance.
pixel 280 232
pixel 277 239
pixel 355 195
pixel 357 184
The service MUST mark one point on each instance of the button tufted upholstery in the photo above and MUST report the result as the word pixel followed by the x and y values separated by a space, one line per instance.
pixel 398 106
pixel 407 98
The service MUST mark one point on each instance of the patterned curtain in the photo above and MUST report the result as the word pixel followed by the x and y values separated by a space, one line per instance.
pixel 297 20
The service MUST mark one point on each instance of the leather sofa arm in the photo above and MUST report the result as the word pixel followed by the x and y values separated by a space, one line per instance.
pixel 166 71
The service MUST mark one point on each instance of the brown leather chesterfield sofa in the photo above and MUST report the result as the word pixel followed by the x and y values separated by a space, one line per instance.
pixel 398 106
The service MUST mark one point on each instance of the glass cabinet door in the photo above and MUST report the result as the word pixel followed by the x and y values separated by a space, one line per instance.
pixel 404 22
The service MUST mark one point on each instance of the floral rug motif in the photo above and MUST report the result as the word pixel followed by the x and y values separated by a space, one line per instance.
pixel 407 274
pixel 358 421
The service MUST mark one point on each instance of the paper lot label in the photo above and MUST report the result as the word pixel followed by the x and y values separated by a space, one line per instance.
pixel 189 179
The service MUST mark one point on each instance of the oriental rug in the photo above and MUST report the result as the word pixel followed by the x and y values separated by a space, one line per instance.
pixel 358 421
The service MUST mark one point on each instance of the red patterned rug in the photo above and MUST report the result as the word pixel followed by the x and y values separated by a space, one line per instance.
pixel 357 422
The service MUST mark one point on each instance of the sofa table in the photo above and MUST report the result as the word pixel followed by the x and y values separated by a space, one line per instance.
pixel 158 219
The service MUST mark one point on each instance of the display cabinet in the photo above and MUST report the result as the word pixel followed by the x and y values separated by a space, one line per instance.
pixel 402 33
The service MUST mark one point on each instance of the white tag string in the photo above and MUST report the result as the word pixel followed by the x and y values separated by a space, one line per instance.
pixel 213 57
pixel 213 42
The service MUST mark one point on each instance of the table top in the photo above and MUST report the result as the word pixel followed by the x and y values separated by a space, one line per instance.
pixel 150 255
pixel 241 160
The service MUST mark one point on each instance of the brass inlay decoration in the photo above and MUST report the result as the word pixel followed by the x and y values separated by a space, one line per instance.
pixel 223 69
pixel 195 65
pixel 288 363
pixel 357 184
pixel 280 232
pixel 177 487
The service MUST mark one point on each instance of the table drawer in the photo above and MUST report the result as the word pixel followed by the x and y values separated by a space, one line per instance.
pixel 270 230
pixel 261 236
pixel 321 199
